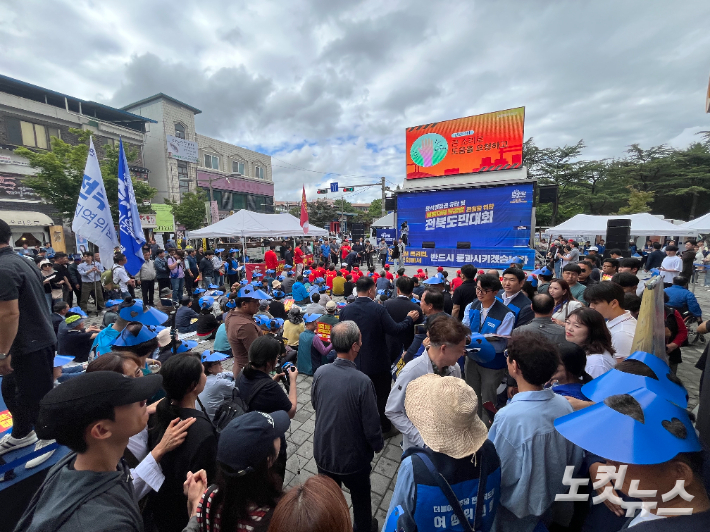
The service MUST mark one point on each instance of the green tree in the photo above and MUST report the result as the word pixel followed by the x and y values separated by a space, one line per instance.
pixel 191 211
pixel 343 205
pixel 638 201
pixel 375 209
pixel 61 171
pixel 690 176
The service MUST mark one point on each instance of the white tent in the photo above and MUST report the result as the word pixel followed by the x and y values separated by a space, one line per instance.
pixel 642 224
pixel 245 223
pixel 386 221
pixel 700 225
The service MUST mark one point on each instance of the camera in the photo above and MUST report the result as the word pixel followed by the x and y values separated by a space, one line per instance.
pixel 420 328
pixel 287 366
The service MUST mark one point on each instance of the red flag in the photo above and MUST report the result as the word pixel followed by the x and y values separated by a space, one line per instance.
pixel 304 211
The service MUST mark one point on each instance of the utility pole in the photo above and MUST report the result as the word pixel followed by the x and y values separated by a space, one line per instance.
pixel 383 197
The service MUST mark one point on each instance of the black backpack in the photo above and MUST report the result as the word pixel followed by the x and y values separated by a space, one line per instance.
pixel 235 406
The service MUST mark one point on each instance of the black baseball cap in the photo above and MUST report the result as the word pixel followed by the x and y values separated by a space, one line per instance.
pixel 248 439
pixel 100 387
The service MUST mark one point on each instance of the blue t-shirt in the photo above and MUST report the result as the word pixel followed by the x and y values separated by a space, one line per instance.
pixel 221 343
pixel 570 390
pixel 104 339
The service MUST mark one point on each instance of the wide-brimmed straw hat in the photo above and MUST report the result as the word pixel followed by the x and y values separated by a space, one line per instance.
pixel 445 412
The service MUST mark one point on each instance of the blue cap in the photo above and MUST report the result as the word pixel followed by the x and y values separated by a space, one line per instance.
pixel 231 303
pixel 434 280
pixel 319 280
pixel 215 293
pixel 278 294
pixel 252 293
pixel 289 273
pixel 262 295
pixel 60 360
pixel 257 274
pixel 206 302
pixel 614 382
pixel 243 282
pixel 311 317
pixel 517 260
pixel 280 277
pixel 270 271
pixel 213 287
pixel 480 349
pixel 610 434
pixel 215 356
pixel 543 271
pixel 262 320
pixel 128 339
pixel 415 300
pixel 220 250
pixel 307 272
pixel 186 345
pixel 533 280
pixel 113 302
pixel 144 315
pixel 233 250
pixel 257 284
pixel 287 266
pixel 77 310
pixel 279 322
pixel 198 291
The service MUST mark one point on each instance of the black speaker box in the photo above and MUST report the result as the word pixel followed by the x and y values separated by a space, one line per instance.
pixel 547 194
pixel 463 245
pixel 618 222
pixel 428 245
pixel 619 235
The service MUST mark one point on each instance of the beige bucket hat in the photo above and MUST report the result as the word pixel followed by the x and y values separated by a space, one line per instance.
pixel 445 412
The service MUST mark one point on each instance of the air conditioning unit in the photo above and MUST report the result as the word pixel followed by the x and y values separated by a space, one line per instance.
pixel 236 174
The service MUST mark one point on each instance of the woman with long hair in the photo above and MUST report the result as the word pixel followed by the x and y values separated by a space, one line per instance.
pixel 318 505
pixel 246 489
pixel 183 380
pixel 144 463
pixel 587 328
pixel 565 302
pixel 571 375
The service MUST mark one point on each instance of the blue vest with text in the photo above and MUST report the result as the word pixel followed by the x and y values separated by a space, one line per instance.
pixel 493 320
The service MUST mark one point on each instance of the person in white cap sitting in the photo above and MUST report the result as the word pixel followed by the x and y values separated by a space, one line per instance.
pixel 441 485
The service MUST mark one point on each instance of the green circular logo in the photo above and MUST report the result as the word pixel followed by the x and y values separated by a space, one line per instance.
pixel 429 149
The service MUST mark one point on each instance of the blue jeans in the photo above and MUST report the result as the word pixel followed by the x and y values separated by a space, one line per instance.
pixel 707 275
pixel 558 267
pixel 178 285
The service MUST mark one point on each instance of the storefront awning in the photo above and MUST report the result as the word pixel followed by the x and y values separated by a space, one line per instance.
pixel 25 219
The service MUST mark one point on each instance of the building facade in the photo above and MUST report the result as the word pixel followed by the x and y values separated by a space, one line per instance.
pixel 31 116
pixel 181 160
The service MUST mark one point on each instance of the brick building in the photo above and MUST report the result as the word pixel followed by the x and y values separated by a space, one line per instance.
pixel 31 116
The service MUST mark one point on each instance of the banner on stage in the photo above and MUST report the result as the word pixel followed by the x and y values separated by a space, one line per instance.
pixel 390 236
pixel 498 258
pixel 484 217
pixel 260 267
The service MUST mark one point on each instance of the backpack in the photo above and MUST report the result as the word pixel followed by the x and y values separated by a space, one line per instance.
pixel 235 406
pixel 107 280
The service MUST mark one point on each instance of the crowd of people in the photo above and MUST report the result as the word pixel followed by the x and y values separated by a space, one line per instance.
pixel 517 394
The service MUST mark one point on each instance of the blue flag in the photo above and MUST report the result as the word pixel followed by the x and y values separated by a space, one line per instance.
pixel 129 222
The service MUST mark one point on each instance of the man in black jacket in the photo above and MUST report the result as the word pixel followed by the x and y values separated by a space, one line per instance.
pixel 398 307
pixel 207 269
pixel 375 323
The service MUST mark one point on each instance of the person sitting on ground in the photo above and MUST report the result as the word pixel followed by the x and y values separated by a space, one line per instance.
pixel 607 298
pixel 293 327
pixel 262 392
pixel 299 292
pixel 111 314
pixel 76 339
pixel 186 317
pixel 138 339
pixel 651 474
pixel 314 307
pixel 682 299
pixel 447 343
pixel 60 309
pixel 318 505
pixel 219 384
pixel 338 284
pixel 565 302
pixel 312 352
pixel 570 376
pixel 348 286
pixel 276 306
pixel 383 283
pixel 206 324
pixel 524 436
pixel 587 328
pixel 183 380
pixel 444 412
pixel 94 415
pixel 246 489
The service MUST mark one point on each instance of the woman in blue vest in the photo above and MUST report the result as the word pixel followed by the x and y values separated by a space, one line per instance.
pixel 232 267
pixel 443 409
pixel 312 352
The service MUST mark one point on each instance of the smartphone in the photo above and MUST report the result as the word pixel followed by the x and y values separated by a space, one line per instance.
pixel 420 328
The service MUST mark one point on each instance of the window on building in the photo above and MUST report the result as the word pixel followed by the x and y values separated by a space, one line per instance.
pixel 182 171
pixel 211 161
pixel 239 201
pixel 54 132
pixel 33 135
pixel 238 167
pixel 179 131
pixel 184 188
pixel 259 172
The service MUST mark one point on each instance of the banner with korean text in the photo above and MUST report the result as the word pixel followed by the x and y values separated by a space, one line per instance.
pixel 497 258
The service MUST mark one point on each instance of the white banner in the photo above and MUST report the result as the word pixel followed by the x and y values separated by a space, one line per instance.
pixel 182 149
pixel 92 218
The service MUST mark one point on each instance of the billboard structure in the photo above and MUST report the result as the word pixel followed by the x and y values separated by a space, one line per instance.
pixel 486 227
pixel 480 143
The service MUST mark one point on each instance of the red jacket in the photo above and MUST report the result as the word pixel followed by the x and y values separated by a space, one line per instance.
pixel 271 260
pixel 298 256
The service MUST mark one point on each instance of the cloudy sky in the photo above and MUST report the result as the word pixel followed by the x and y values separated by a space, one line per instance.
pixel 330 85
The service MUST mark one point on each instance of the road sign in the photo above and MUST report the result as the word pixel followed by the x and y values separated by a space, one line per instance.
pixel 322 191
pixel 348 189
pixel 334 187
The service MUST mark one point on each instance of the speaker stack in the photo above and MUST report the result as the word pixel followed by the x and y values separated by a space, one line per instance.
pixel 357 230
pixel 618 234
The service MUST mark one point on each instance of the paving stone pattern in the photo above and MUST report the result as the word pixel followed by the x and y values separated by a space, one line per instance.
pixel 301 464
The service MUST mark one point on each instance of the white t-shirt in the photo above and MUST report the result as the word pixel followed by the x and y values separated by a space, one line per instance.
pixel 120 276
pixel 622 330
pixel 599 364
pixel 671 263
pixel 568 307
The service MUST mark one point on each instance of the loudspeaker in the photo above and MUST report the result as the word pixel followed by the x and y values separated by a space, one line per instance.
pixel 357 230
pixel 463 245
pixel 618 233
pixel 428 245
pixel 548 194
pixel 390 204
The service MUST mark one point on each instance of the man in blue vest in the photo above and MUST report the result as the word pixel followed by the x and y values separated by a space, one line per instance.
pixel 443 410
pixel 513 297
pixel 488 315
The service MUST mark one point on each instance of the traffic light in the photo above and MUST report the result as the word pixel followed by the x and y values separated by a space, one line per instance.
pixel 348 189
pixel 322 191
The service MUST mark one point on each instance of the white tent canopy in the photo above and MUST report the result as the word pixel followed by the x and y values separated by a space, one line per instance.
pixel 699 225
pixel 386 221
pixel 245 223
pixel 642 224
